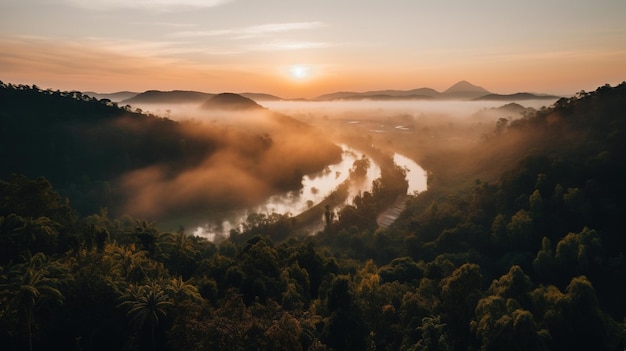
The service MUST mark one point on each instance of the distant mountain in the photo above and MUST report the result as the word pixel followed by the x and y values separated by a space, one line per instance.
pixel 465 90
pixel 161 97
pixel 115 97
pixel 424 91
pixel 515 108
pixel 420 93
pixel 383 97
pixel 514 97
pixel 261 97
pixel 340 95
pixel 230 101
pixel 461 90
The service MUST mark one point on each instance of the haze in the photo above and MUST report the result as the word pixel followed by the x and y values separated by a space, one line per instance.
pixel 304 49
pixel 245 180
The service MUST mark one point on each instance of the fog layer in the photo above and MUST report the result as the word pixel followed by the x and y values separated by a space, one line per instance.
pixel 256 155
pixel 267 162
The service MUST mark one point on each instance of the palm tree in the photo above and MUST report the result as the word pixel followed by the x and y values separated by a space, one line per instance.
pixel 181 290
pixel 181 249
pixel 127 262
pixel 147 306
pixel 28 285
pixel 147 234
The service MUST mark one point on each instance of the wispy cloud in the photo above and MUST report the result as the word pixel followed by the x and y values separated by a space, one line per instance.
pixel 250 31
pixel 280 27
pixel 280 45
pixel 201 33
pixel 166 24
pixel 152 5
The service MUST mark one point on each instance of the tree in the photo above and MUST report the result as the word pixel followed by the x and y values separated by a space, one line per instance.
pixel 459 294
pixel 346 329
pixel 580 253
pixel 402 269
pixel 359 168
pixel 501 325
pixel 520 229
pixel 260 264
pixel 20 234
pixel 544 262
pixel 181 252
pixel 180 290
pixel 28 286
pixel 515 284
pixel 146 307
pixel 575 320
pixel 284 334
pixel 433 336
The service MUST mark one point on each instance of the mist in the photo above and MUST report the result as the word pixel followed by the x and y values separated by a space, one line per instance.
pixel 257 154
pixel 266 159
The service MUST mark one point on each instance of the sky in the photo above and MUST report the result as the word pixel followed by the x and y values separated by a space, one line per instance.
pixel 294 48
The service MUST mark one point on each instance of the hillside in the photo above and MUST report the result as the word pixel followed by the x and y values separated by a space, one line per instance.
pixel 515 97
pixel 231 102
pixel 167 97
pixel 261 97
pixel 101 155
pixel 115 97
pixel 81 144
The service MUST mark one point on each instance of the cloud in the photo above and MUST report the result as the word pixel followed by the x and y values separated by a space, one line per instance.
pixel 281 45
pixel 265 32
pixel 201 33
pixel 281 27
pixel 152 5
pixel 250 31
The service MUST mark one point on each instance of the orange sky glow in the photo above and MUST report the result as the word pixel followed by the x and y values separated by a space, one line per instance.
pixel 555 47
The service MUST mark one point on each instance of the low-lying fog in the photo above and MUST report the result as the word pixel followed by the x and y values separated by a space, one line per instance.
pixel 410 131
pixel 352 107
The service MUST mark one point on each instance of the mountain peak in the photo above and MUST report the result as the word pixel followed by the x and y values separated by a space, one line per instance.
pixel 465 87
pixel 230 101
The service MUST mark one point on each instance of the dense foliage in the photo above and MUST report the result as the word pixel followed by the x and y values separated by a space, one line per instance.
pixel 83 145
pixel 534 260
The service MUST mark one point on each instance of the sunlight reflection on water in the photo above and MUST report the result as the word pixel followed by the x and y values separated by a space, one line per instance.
pixel 415 174
pixel 315 188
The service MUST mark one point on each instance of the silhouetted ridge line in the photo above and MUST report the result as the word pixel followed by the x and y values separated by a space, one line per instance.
pixel 516 96
pixel 230 101
pixel 175 96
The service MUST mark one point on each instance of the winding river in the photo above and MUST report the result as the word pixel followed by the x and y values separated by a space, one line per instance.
pixel 415 174
pixel 315 188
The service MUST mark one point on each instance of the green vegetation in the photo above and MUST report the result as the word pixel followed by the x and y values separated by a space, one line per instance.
pixel 531 260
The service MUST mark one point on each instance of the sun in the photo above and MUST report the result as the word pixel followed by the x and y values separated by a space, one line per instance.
pixel 300 72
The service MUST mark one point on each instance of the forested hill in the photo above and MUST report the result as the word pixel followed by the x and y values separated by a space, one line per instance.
pixel 552 221
pixel 79 142
pixel 533 260
pixel 101 155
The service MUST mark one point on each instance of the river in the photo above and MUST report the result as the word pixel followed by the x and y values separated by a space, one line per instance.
pixel 315 188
